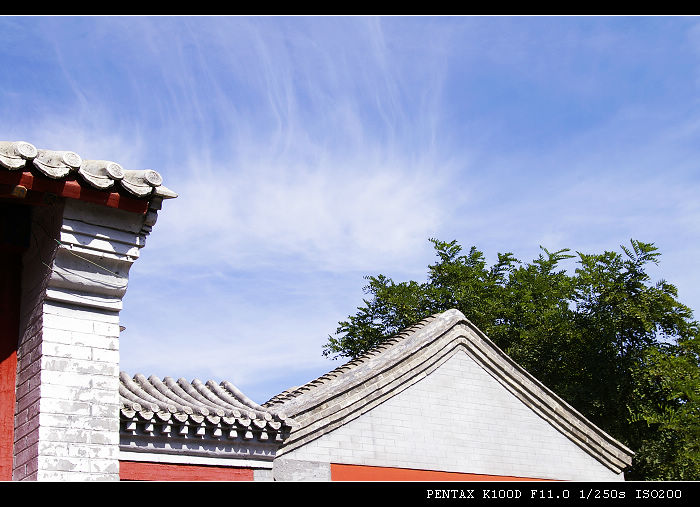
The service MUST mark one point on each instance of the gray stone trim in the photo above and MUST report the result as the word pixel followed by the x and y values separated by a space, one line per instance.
pixel 298 470
pixel 263 474
pixel 356 387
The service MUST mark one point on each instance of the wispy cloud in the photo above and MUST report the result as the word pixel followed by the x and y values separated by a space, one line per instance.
pixel 335 167
pixel 310 151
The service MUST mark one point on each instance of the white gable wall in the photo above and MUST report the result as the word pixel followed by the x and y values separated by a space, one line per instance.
pixel 457 419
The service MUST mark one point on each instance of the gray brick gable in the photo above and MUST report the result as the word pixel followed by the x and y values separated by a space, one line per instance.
pixel 358 387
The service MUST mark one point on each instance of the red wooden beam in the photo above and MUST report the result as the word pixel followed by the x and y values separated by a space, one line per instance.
pixel 71 189
pixel 10 269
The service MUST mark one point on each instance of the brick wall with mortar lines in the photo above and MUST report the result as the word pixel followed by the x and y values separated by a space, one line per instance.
pixel 35 275
pixel 458 419
pixel 79 422
pixel 67 410
pixel 26 436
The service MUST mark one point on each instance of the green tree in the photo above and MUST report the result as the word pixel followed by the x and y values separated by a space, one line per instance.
pixel 665 412
pixel 619 348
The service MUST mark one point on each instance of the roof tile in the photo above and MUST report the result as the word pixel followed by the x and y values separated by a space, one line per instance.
pixel 196 403
pixel 68 165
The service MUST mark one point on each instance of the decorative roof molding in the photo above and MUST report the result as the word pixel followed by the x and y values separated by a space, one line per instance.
pixel 141 183
pixel 170 408
pixel 101 174
pixel 14 155
pixel 57 164
pixel 97 174
pixel 356 387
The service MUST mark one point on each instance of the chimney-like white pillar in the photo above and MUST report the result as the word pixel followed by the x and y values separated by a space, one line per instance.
pixel 67 416
pixel 87 222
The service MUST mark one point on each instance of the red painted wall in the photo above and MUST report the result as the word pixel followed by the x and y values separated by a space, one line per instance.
pixel 10 271
pixel 371 473
pixel 147 471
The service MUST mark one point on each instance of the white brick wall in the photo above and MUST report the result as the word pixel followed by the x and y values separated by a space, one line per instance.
pixel 67 423
pixel 79 420
pixel 457 419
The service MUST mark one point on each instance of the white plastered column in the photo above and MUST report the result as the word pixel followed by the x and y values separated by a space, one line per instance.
pixel 74 279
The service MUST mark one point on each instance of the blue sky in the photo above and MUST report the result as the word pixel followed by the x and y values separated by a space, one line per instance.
pixel 308 152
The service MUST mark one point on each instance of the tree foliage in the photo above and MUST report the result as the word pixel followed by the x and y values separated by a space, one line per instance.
pixel 621 349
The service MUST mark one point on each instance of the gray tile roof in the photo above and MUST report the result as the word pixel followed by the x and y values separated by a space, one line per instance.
pixel 96 174
pixel 179 406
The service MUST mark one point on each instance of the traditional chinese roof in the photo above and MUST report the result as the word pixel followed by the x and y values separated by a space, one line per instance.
pixel 74 177
pixel 181 408
pixel 294 392
pixel 356 387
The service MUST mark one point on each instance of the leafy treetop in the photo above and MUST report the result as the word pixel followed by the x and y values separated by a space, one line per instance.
pixel 622 350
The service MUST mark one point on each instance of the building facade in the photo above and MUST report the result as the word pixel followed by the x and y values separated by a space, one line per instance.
pixel 71 230
pixel 438 401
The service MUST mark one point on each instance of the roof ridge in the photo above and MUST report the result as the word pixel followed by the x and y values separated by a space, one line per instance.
pixel 386 343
